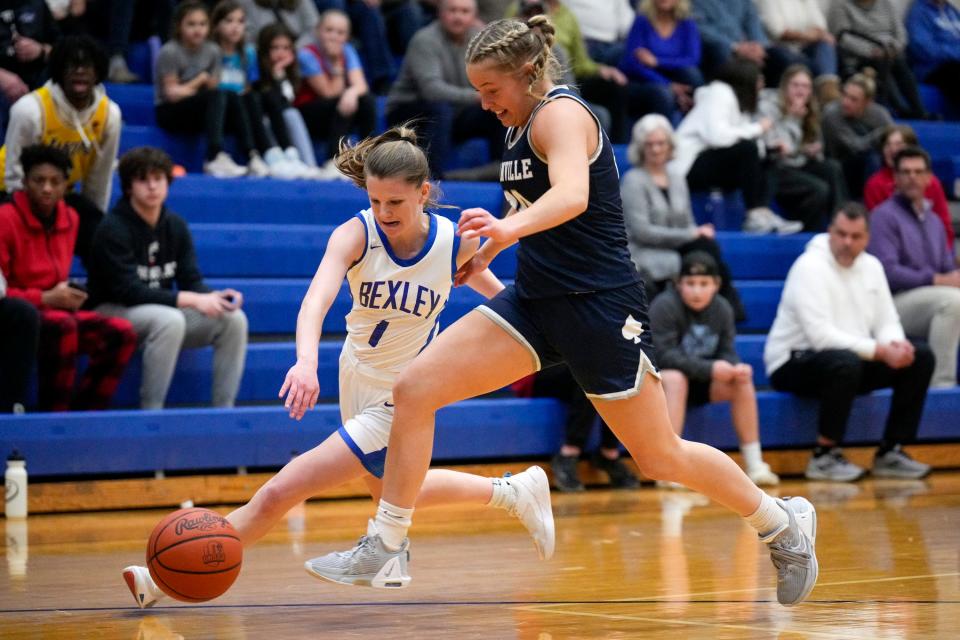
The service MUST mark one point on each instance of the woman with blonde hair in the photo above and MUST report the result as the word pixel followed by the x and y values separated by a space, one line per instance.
pixel 576 299
pixel 663 47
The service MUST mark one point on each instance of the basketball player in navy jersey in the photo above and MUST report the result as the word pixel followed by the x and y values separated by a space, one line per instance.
pixel 577 299
pixel 399 261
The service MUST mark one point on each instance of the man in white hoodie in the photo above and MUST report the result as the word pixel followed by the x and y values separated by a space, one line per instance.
pixel 72 112
pixel 837 335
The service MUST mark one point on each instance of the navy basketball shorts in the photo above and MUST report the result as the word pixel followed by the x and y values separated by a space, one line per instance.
pixel 603 336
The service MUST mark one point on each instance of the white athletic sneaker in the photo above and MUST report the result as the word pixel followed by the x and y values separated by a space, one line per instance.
pixel 223 166
pixel 257 168
pixel 533 508
pixel 141 585
pixel 369 564
pixel 762 476
pixel 792 551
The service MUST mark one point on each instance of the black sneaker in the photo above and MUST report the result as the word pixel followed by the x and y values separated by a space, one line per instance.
pixel 620 476
pixel 565 476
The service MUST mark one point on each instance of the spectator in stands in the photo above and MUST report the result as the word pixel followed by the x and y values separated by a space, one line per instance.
pixel 732 29
pixel 800 26
pixel 871 33
pixel 433 86
pixel 27 34
pixel 933 27
pixel 881 184
pixel 836 336
pixel 300 17
pixel 72 112
pixel 279 73
pixel 238 72
pixel 600 83
pixel 186 84
pixel 19 332
pixel 558 382
pixel 604 31
pixel 657 212
pixel 693 332
pixel 910 243
pixel 717 145
pixel 663 47
pixel 372 36
pixel 118 22
pixel 852 127
pixel 808 186
pixel 333 96
pixel 38 231
pixel 144 269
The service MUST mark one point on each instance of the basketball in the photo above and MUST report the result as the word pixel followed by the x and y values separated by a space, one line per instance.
pixel 194 555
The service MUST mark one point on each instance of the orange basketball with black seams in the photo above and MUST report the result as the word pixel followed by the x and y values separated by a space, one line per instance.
pixel 194 555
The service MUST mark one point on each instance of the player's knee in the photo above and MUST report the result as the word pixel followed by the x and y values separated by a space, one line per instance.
pixel 412 389
pixel 271 499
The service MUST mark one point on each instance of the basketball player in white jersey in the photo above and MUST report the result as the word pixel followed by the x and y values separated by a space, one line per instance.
pixel 399 262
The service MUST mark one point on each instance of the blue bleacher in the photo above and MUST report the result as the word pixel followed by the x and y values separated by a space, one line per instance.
pixel 209 439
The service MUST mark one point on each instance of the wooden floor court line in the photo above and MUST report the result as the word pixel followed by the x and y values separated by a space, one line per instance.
pixel 693 623
pixel 539 605
pixel 673 597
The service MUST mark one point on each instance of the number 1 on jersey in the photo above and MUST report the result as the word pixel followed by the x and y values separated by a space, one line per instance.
pixel 377 333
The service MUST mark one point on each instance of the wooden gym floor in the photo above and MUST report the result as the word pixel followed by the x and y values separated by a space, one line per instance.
pixel 647 563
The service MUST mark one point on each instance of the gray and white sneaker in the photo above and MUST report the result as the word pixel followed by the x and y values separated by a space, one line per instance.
pixel 369 564
pixel 833 466
pixel 533 508
pixel 897 464
pixel 792 551
pixel 758 221
pixel 783 226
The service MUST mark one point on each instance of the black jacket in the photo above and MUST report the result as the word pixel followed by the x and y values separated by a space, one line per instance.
pixel 132 263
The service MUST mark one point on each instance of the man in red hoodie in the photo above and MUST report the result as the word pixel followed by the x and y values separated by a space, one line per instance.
pixel 38 232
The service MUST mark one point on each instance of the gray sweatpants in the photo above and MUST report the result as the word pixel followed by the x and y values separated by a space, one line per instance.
pixel 162 331
pixel 933 314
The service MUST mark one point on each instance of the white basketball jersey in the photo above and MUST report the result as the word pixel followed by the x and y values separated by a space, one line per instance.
pixel 397 302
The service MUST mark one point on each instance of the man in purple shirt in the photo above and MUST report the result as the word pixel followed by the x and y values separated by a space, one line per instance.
pixel 909 241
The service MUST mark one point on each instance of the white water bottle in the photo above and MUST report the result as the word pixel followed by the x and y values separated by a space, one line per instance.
pixel 16 486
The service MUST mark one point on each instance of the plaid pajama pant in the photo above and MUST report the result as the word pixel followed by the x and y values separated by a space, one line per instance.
pixel 109 344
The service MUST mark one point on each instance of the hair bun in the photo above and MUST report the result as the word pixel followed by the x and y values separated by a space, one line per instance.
pixel 543 24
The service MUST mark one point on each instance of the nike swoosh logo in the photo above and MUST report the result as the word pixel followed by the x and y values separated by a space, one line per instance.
pixel 388 404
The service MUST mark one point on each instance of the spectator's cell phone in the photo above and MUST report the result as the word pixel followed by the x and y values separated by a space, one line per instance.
pixel 78 285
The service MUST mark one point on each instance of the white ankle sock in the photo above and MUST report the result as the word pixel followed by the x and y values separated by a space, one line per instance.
pixel 392 524
pixel 504 494
pixel 752 455
pixel 768 518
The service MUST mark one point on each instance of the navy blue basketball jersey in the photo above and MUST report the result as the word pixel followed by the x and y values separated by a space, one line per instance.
pixel 587 253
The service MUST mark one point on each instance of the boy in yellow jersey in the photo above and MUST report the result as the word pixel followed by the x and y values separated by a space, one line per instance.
pixel 72 112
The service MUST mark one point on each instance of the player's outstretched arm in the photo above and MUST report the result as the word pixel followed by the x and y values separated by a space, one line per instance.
pixel 472 270
pixel 344 248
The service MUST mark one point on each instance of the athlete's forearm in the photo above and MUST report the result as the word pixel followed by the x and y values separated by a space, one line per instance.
pixel 553 208
pixel 313 311
pixel 486 284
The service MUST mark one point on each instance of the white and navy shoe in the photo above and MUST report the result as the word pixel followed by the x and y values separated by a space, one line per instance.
pixel 141 585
